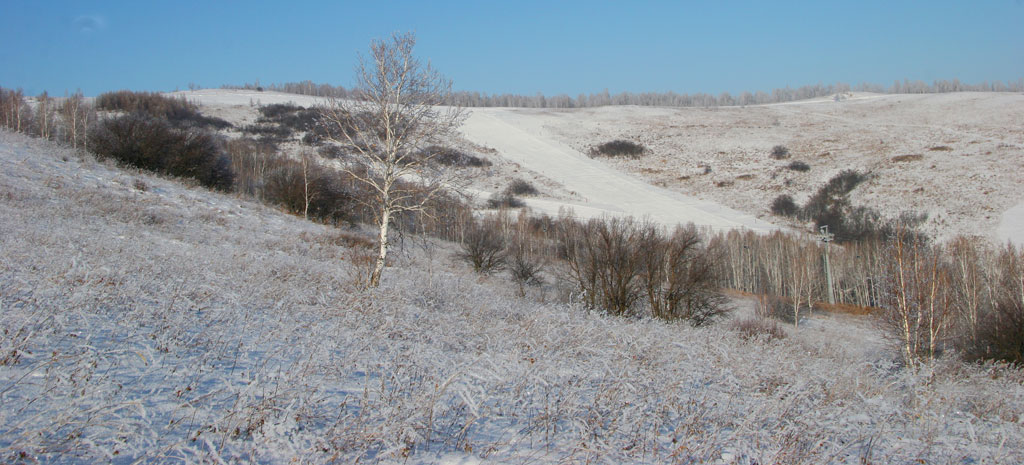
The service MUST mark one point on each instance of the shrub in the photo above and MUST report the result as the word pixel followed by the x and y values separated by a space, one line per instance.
pixel 524 263
pixel 781 308
pixel 677 276
pixel 505 200
pixel 619 148
pixel 784 205
pixel 780 152
pixel 331 151
pixel 603 263
pixel 177 111
pixel 269 132
pixel 452 157
pixel 483 247
pixel 908 157
pixel 1000 335
pixel 831 206
pixel 521 187
pixel 292 117
pixel 291 186
pixel 831 198
pixel 152 144
pixel 799 166
pixel 759 329
pixel 278 110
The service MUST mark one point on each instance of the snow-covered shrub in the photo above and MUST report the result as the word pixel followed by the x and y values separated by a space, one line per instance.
pixel 759 329
pixel 525 255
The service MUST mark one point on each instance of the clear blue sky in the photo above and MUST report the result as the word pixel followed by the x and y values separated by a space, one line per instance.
pixel 517 46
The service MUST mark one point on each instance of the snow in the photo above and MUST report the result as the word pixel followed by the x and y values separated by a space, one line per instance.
pixel 240 97
pixel 711 165
pixel 145 321
pixel 606 191
pixel 969 175
pixel 1011 226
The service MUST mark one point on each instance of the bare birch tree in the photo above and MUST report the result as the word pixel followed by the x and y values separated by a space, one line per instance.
pixel 390 121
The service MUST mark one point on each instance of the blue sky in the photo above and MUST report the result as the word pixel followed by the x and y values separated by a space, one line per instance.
pixel 516 47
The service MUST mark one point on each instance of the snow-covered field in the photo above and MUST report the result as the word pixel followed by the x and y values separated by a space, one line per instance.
pixel 712 166
pixel 143 321
pixel 966 164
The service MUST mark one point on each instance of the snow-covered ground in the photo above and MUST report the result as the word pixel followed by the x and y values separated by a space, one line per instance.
pixel 712 165
pixel 605 190
pixel 144 321
pixel 965 169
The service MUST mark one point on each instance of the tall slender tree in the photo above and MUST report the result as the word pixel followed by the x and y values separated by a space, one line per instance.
pixel 393 123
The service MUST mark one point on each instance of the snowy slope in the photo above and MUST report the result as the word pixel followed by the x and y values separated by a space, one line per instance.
pixel 144 321
pixel 711 165
pixel 606 190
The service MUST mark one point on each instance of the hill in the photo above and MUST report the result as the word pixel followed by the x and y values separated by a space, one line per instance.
pixel 146 320
pixel 955 157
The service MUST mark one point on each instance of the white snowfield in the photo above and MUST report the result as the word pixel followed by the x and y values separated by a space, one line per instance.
pixel 242 97
pixel 968 182
pixel 606 190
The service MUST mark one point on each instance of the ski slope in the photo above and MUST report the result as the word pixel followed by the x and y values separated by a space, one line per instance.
pixel 606 190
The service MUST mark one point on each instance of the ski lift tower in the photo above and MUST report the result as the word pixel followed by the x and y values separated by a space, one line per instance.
pixel 827 237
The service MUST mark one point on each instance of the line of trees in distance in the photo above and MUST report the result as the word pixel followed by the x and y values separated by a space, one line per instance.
pixel 666 99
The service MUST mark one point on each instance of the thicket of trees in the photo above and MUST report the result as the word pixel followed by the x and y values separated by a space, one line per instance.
pixel 963 295
pixel 67 119
pixel 668 99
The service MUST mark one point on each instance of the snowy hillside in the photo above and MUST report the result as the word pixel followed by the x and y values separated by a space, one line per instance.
pixel 957 157
pixel 146 321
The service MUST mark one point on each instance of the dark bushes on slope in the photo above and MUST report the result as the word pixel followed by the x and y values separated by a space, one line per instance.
pixel 618 263
pixel 177 111
pixel 312 191
pixel 453 157
pixel 521 187
pixel 483 247
pixel 784 205
pixel 153 144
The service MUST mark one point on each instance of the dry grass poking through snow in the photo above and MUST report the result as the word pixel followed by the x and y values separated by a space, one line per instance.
pixel 174 325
